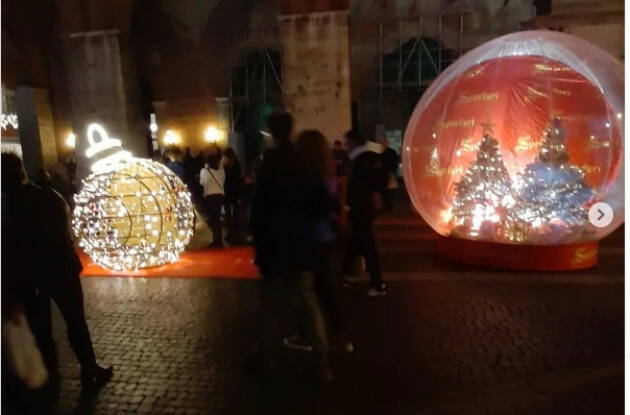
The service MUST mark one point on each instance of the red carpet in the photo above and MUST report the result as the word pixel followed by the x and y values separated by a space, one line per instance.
pixel 203 263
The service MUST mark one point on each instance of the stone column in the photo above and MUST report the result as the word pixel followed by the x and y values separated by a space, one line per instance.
pixel 36 131
pixel 101 91
pixel 316 71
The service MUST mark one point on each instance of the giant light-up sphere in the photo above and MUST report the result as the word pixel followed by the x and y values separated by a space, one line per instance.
pixel 131 213
pixel 516 140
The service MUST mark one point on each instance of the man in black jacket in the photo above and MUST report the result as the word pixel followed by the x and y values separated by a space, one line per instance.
pixel 366 178
pixel 50 270
pixel 278 244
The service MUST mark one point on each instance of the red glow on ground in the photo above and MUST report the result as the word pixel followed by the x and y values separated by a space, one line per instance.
pixel 204 263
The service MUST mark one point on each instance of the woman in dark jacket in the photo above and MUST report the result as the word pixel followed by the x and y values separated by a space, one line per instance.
pixel 317 204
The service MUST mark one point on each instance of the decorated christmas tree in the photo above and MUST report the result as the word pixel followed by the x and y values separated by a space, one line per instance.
pixel 553 192
pixel 483 193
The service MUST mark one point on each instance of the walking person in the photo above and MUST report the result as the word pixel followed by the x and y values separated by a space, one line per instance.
pixel 390 160
pixel 192 167
pixel 41 216
pixel 366 178
pixel 212 178
pixel 319 324
pixel 273 224
pixel 20 393
pixel 234 186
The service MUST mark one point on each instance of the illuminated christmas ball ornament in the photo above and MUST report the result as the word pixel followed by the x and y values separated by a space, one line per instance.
pixel 513 144
pixel 131 213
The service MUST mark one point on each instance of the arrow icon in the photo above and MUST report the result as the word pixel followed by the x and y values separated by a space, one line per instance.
pixel 600 215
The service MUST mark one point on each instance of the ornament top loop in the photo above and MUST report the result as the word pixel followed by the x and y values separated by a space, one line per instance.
pixel 109 149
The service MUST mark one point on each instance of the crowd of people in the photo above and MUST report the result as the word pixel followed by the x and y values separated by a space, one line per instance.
pixel 218 187
pixel 304 201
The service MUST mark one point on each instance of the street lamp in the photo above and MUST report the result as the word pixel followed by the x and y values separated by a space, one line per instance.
pixel 171 138
pixel 212 134
pixel 71 140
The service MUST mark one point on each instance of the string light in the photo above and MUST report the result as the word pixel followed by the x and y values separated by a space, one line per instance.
pixel 131 213
pixel 7 120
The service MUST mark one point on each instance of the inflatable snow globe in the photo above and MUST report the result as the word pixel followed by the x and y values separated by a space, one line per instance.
pixel 515 153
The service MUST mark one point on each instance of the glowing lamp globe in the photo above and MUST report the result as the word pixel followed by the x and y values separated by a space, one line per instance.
pixel 131 213
pixel 515 142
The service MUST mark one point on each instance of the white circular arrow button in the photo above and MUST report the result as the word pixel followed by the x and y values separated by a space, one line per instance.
pixel 600 214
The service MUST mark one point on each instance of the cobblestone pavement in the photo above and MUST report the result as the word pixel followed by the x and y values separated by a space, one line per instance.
pixel 446 339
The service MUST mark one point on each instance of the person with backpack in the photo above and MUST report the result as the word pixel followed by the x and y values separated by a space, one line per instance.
pixel 212 178
pixel 367 177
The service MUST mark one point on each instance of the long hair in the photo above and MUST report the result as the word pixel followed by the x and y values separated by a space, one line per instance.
pixel 231 155
pixel 315 154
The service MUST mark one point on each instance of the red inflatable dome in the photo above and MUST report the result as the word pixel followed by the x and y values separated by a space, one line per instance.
pixel 517 140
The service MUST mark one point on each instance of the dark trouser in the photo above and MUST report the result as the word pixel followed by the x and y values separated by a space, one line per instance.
pixel 360 241
pixel 323 288
pixel 232 217
pixel 272 293
pixel 68 296
pixel 213 215
pixel 388 199
pixel 312 323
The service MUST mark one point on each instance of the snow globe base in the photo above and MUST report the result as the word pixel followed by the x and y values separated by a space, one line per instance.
pixel 519 257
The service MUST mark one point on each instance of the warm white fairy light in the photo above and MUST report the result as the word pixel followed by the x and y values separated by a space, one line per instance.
pixel 131 213
pixel 7 120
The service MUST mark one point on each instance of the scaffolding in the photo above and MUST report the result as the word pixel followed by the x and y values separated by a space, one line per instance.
pixel 419 55
pixel 398 58
pixel 256 77
pixel 407 53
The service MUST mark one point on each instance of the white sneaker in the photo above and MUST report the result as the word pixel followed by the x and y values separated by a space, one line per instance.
pixel 347 347
pixel 374 292
pixel 298 343
pixel 349 282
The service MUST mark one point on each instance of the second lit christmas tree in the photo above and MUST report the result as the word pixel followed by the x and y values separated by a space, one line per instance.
pixel 553 192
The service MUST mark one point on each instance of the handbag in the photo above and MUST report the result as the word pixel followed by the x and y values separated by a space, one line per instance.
pixel 23 356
